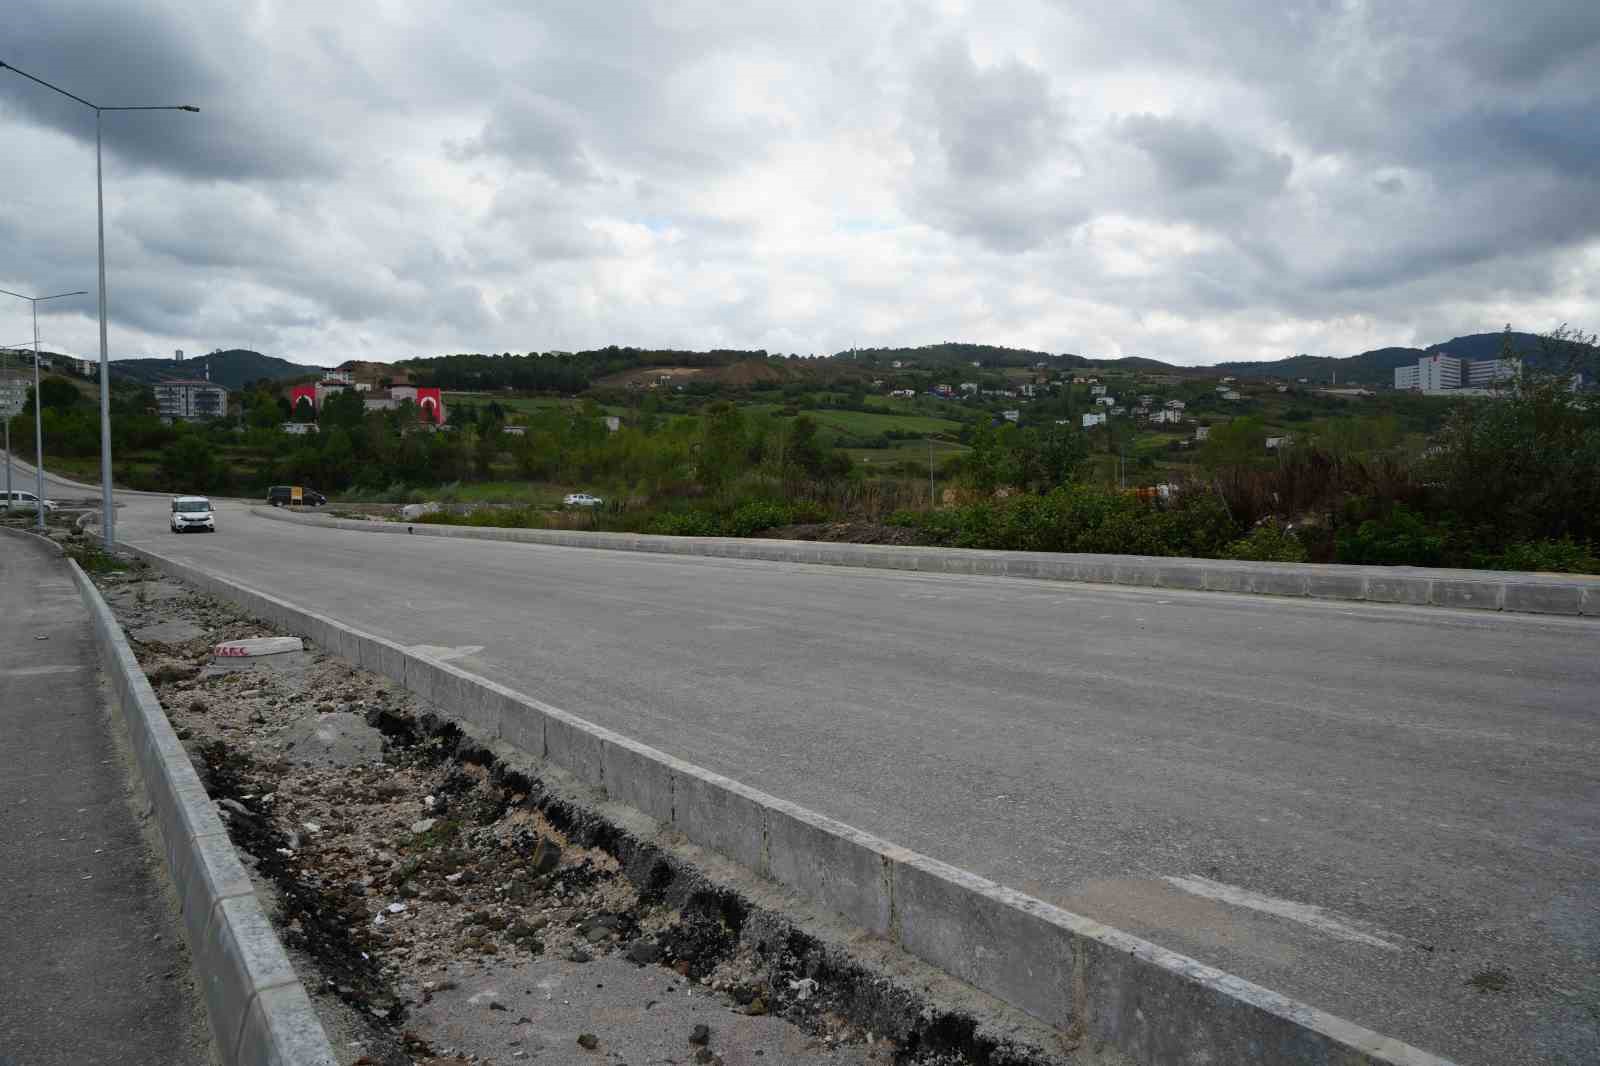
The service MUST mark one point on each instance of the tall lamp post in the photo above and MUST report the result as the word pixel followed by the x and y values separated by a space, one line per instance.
pixel 38 407
pixel 108 517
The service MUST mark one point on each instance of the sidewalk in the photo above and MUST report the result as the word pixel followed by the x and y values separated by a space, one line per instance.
pixel 94 965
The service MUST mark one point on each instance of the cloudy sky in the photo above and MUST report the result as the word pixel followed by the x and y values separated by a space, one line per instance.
pixel 1192 180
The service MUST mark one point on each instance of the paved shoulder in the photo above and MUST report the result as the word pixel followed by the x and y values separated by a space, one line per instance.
pixel 95 969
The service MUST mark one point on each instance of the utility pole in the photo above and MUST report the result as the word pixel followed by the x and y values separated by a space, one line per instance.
pixel 931 503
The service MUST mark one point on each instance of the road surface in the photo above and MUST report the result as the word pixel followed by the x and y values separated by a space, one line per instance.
pixel 1391 813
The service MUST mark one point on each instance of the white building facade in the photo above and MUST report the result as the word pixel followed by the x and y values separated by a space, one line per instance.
pixel 191 399
pixel 1442 372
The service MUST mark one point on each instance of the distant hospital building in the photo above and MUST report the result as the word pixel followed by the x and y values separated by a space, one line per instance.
pixel 1443 372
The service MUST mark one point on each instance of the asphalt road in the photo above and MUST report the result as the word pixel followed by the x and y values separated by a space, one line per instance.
pixel 1390 813
pixel 93 962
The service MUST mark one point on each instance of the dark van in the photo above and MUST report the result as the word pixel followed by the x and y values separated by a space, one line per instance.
pixel 294 496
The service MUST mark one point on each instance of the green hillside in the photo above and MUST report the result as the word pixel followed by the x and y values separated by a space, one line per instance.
pixel 233 368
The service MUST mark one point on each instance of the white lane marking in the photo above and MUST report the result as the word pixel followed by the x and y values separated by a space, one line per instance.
pixel 1304 913
pixel 38 671
pixel 441 652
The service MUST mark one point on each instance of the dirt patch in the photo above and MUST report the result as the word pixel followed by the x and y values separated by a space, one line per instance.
pixel 852 533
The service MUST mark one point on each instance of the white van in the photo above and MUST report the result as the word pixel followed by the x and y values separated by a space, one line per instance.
pixel 192 513
pixel 25 501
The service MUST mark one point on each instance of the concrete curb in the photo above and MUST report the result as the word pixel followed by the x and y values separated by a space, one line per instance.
pixel 1080 976
pixel 1416 586
pixel 258 1009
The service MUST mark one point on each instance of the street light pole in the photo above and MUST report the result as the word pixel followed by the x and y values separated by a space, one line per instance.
pixel 38 408
pixel 7 414
pixel 108 515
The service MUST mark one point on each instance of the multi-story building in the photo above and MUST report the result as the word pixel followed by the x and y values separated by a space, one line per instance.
pixel 1442 372
pixel 14 393
pixel 1486 373
pixel 191 399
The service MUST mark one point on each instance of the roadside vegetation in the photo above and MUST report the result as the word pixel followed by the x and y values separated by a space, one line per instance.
pixel 746 446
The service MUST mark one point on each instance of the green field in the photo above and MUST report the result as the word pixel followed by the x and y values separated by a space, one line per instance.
pixel 866 423
pixel 522 405
pixel 900 451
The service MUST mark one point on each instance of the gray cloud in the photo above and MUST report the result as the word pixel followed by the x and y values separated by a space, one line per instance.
pixel 1191 180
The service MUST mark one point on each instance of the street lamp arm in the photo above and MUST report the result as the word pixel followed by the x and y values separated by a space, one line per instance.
pixel 73 96
pixel 37 299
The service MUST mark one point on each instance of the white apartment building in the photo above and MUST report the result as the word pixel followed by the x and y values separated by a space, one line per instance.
pixel 14 393
pixel 191 399
pixel 1442 372
pixel 1094 420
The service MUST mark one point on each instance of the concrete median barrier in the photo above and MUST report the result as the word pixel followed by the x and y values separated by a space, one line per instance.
pixel 257 1009
pixel 1092 982
pixel 1569 594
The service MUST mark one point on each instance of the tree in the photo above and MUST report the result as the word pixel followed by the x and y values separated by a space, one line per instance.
pixel 59 395
pixel 343 410
pixel 1527 465
pixel 191 462
pixel 1240 442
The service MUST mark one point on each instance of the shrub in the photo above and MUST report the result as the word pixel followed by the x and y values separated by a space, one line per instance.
pixel 1563 556
pixel 1402 538
pixel 685 524
pixel 1267 543
pixel 751 518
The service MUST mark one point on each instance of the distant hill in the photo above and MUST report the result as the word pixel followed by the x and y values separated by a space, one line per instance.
pixel 1378 366
pixel 954 354
pixel 233 368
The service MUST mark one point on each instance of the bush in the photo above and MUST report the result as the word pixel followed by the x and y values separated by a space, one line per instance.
pixel 685 524
pixel 1267 543
pixel 751 518
pixel 1561 556
pixel 1402 538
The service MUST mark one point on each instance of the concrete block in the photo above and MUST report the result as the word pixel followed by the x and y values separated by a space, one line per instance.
pixel 1269 580
pixel 522 725
pixel 1414 589
pixel 282 1029
pixel 1224 578
pixel 1591 600
pixel 1138 571
pixel 176 798
pixel 422 677
pixel 999 940
pixel 1465 592
pixel 1543 598
pixel 462 696
pixel 1331 584
pixel 1171 1009
pixel 723 815
pixel 638 777
pixel 574 747
pixel 1100 569
pixel 390 660
pixel 831 864
pixel 238 955
pixel 204 870
pixel 1182 575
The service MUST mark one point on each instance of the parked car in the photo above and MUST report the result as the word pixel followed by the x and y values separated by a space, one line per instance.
pixel 582 499
pixel 294 496
pixel 192 514
pixel 26 501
